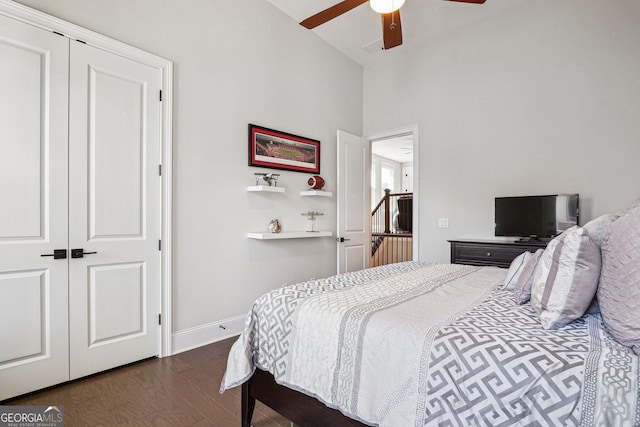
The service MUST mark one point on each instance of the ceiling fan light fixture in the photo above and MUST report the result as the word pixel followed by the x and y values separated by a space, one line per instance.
pixel 386 6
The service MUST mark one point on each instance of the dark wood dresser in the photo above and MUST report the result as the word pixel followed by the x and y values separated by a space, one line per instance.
pixel 490 252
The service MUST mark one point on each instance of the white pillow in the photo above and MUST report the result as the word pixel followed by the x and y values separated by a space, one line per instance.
pixel 619 291
pixel 515 269
pixel 542 272
pixel 572 280
pixel 522 291
pixel 598 227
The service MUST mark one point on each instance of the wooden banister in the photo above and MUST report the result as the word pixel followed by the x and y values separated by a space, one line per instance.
pixel 390 244
pixel 387 211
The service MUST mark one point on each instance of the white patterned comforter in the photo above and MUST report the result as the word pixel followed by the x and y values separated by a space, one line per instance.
pixel 414 344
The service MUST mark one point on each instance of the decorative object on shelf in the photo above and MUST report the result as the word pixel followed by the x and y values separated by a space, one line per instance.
pixel 316 182
pixel 269 178
pixel 273 149
pixel 274 226
pixel 312 217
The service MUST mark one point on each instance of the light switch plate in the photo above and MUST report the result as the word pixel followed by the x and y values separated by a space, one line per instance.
pixel 443 222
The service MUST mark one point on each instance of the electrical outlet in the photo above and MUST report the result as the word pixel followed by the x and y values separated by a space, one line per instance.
pixel 443 222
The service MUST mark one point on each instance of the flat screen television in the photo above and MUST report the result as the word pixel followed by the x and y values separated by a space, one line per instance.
pixel 536 217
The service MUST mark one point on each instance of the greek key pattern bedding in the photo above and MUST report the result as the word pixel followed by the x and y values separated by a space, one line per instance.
pixel 506 370
pixel 612 374
pixel 443 347
pixel 265 339
pixel 359 350
pixel 280 306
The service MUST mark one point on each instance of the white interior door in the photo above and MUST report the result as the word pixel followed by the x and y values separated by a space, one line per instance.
pixel 33 212
pixel 354 204
pixel 114 210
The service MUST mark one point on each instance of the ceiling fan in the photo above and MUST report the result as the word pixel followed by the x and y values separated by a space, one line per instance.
pixel 389 10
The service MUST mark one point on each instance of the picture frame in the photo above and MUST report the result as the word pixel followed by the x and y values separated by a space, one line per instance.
pixel 269 148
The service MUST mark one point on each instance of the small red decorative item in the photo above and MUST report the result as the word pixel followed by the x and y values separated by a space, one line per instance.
pixel 316 182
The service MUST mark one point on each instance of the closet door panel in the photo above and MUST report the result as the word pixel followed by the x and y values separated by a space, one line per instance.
pixel 22 127
pixel 33 217
pixel 116 146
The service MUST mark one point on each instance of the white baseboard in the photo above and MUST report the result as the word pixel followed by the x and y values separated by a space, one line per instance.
pixel 191 338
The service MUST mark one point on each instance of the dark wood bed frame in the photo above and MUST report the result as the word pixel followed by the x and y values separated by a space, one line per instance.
pixel 297 407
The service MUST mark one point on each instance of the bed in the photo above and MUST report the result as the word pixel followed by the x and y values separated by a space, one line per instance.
pixel 415 344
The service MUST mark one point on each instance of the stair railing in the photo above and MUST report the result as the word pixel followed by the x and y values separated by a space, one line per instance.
pixel 386 232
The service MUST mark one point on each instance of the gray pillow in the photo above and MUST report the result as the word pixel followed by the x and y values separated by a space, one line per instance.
pixel 522 287
pixel 542 272
pixel 572 280
pixel 598 227
pixel 619 290
pixel 515 269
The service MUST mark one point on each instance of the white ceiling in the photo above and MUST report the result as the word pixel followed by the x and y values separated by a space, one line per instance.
pixel 399 149
pixel 422 21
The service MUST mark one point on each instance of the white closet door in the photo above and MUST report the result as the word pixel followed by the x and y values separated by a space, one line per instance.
pixel 33 208
pixel 114 210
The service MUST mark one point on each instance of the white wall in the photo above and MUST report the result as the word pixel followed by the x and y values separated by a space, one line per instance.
pixel 541 99
pixel 235 63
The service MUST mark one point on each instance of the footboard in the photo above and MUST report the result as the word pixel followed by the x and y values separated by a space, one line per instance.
pixel 297 407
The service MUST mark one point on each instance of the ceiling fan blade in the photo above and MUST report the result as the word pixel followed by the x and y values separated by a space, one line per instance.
pixel 391 30
pixel 330 13
pixel 470 1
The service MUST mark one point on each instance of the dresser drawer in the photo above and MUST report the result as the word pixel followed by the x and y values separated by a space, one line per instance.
pixel 487 254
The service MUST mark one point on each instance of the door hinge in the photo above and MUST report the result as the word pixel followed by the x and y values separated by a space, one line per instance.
pixel 160 170
pixel 160 96
pixel 159 319
pixel 159 245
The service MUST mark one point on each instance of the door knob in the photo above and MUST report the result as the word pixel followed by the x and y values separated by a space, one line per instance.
pixel 80 253
pixel 341 239
pixel 57 254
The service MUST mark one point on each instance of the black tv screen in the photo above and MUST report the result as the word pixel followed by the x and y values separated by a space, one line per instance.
pixel 535 216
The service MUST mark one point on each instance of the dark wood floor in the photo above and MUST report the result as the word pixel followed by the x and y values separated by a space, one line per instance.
pixel 180 390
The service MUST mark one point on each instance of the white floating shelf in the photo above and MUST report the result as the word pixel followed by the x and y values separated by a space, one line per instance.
pixel 289 235
pixel 265 188
pixel 316 193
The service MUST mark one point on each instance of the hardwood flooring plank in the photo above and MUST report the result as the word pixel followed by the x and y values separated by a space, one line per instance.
pixel 181 390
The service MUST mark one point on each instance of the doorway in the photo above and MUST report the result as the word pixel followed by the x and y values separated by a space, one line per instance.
pixel 394 203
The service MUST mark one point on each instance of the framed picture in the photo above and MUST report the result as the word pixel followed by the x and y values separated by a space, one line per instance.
pixel 270 148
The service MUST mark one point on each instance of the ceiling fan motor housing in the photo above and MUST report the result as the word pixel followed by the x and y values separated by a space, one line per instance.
pixel 386 6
